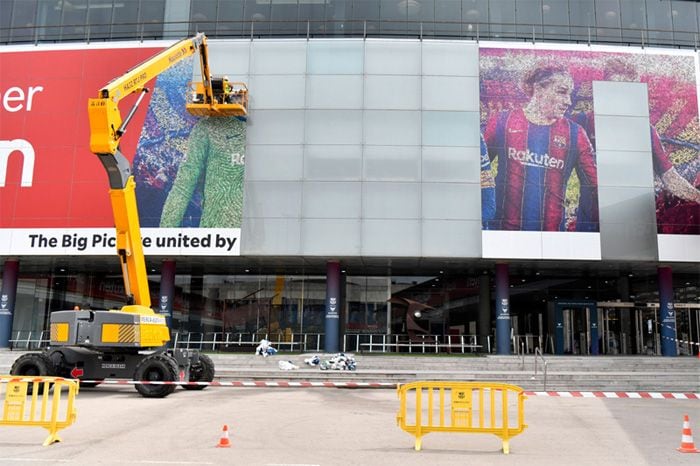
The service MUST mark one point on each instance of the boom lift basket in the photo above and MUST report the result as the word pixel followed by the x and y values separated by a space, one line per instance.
pixel 229 99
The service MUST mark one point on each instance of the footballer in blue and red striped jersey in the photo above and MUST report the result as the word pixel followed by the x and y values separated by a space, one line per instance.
pixel 537 149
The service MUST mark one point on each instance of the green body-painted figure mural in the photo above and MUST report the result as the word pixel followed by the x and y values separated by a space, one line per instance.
pixel 216 153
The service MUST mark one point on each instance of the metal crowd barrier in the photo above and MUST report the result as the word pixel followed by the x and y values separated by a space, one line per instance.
pixel 461 407
pixel 45 408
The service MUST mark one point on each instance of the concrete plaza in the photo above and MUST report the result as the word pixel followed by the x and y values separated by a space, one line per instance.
pixel 327 426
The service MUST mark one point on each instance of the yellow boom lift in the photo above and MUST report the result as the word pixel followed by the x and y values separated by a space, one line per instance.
pixel 131 342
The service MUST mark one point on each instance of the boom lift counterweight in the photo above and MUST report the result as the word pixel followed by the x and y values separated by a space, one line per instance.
pixel 131 342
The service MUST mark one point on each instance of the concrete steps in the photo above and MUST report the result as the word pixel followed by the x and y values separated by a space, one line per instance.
pixel 564 373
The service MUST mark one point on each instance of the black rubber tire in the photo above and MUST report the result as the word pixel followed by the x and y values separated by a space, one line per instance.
pixel 156 368
pixel 203 371
pixel 33 364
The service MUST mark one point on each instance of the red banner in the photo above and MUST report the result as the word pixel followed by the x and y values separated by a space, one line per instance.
pixel 48 176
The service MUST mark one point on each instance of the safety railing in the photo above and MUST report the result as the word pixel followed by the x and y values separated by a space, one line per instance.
pixel 38 402
pixel 461 407
pixel 382 343
pixel 452 29
pixel 540 357
pixel 228 341
pixel 29 339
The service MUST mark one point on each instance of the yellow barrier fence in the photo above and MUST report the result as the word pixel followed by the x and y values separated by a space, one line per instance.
pixel 37 402
pixel 462 407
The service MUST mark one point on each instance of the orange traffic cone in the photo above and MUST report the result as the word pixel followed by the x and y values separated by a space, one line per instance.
pixel 224 442
pixel 687 444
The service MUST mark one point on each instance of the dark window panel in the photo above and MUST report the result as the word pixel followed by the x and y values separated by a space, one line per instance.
pixel 21 16
pixel 685 22
pixel 256 15
pixel 338 14
pixel 203 15
pixel 230 16
pixel 422 19
pixel 475 16
pixel 582 20
pixel 448 14
pixel 312 14
pixel 393 15
pixel 73 20
pixel 502 19
pixel 284 15
pixel 151 16
pixel 633 17
pixel 365 11
pixel 555 20
pixel 659 22
pixel 528 14
pixel 99 19
pixel 125 19
pixel 49 19
pixel 607 14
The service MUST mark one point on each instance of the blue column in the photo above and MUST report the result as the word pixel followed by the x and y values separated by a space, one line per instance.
pixel 332 323
pixel 10 274
pixel 667 314
pixel 502 310
pixel 167 291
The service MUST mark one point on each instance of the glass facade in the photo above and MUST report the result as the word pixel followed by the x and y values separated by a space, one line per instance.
pixel 665 23
pixel 247 307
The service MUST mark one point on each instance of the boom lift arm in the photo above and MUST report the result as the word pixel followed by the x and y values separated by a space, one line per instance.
pixel 107 129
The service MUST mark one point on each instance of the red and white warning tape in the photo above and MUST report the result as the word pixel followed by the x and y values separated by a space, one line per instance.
pixel 286 384
pixel 638 395
pixel 305 384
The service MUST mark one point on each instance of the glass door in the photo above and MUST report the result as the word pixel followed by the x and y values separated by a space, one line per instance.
pixel 647 341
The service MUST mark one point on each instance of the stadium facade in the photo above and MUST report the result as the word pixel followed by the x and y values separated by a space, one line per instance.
pixel 518 174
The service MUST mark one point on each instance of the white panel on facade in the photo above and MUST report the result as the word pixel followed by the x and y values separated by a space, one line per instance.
pixel 333 126
pixel 620 99
pixel 272 199
pixel 333 162
pixel 334 92
pixel 451 129
pixel 392 127
pixel 286 57
pixel 450 58
pixel 335 56
pixel 573 246
pixel 398 238
pixel 392 92
pixel 275 127
pixel 391 200
pixel 628 133
pixel 624 168
pixel 451 201
pixel 392 57
pixel 451 238
pixel 331 199
pixel 277 92
pixel 265 236
pixel 332 237
pixel 230 58
pixel 679 248
pixel 451 164
pixel 391 163
pixel 451 93
pixel 496 244
pixel 273 162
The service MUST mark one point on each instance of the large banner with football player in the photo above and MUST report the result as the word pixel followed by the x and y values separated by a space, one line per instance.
pixel 538 132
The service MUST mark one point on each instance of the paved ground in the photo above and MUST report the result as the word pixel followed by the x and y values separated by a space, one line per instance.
pixel 326 426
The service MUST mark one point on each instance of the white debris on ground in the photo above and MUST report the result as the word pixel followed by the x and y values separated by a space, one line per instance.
pixel 265 349
pixel 287 365
pixel 338 362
